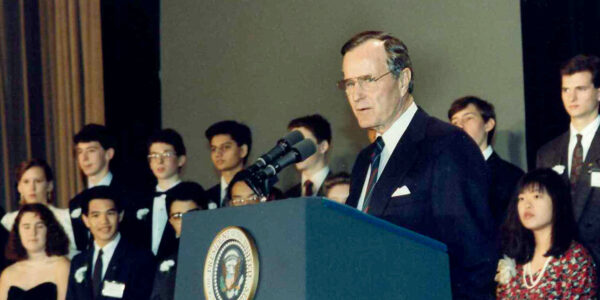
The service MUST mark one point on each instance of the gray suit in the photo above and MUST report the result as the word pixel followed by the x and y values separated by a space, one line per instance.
pixel 586 200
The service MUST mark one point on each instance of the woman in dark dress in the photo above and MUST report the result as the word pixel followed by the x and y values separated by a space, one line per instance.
pixel 543 260
pixel 38 244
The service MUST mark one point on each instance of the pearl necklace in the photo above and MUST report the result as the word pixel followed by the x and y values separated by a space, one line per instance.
pixel 527 271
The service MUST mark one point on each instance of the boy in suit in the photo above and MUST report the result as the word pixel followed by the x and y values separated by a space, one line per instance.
pixel 112 267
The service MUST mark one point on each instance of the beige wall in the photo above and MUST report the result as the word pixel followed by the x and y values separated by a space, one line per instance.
pixel 264 62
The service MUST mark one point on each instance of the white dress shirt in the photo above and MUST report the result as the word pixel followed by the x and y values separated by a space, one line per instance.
pixel 107 253
pixel 390 138
pixel 487 152
pixel 317 180
pixel 104 182
pixel 224 185
pixel 586 140
pixel 159 217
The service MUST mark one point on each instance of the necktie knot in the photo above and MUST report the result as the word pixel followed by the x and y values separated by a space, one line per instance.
pixel 377 147
pixel 579 137
pixel 308 188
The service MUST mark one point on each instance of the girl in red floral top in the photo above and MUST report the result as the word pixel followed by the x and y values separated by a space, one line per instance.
pixel 543 261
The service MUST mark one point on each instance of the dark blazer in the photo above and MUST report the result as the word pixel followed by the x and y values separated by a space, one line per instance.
pixel 448 183
pixel 586 201
pixel 80 232
pixel 141 234
pixel 296 190
pixel 164 280
pixel 129 265
pixel 504 179
pixel 214 195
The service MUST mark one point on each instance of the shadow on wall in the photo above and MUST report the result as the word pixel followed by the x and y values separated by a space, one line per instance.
pixel 513 143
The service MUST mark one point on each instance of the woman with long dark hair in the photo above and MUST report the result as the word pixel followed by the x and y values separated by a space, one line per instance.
pixel 542 259
pixel 38 244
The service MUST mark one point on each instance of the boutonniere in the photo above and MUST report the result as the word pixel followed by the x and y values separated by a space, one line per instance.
pixel 80 274
pixel 166 265
pixel 506 270
pixel 76 213
pixel 142 212
pixel 560 169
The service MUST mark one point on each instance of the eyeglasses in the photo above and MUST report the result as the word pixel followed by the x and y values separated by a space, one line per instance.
pixel 366 82
pixel 161 156
pixel 179 215
pixel 239 200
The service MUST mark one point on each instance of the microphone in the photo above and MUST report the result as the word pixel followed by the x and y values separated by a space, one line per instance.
pixel 298 153
pixel 282 146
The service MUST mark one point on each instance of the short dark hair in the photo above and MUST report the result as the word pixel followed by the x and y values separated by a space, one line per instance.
pixel 582 63
pixel 397 52
pixel 517 241
pixel 238 132
pixel 35 162
pixel 186 191
pixel 485 108
pixel 318 125
pixel 98 192
pixel 57 242
pixel 171 137
pixel 335 179
pixel 95 133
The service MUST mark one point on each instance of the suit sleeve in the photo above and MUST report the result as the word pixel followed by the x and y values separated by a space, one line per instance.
pixel 460 205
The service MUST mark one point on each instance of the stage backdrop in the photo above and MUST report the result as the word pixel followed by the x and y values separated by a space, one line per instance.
pixel 265 62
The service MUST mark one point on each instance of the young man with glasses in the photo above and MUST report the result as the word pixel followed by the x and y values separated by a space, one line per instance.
pixel 184 198
pixel 420 173
pixel 166 157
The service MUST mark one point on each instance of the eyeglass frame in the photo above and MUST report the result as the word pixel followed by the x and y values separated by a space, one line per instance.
pixel 179 215
pixel 161 156
pixel 244 200
pixel 360 80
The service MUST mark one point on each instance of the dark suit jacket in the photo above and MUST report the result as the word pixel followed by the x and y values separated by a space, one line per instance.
pixel 214 194
pixel 296 190
pixel 142 227
pixel 81 233
pixel 129 265
pixel 448 182
pixel 586 201
pixel 164 280
pixel 504 179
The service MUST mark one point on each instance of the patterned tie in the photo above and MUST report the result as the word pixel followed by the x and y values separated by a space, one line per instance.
pixel 375 155
pixel 308 188
pixel 576 163
pixel 97 276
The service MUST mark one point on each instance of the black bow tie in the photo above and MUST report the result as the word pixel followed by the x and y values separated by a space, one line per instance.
pixel 158 194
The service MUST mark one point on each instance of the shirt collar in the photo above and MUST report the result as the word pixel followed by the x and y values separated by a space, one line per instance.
pixel 392 136
pixel 224 184
pixel 317 178
pixel 108 249
pixel 158 189
pixel 104 182
pixel 488 152
pixel 588 130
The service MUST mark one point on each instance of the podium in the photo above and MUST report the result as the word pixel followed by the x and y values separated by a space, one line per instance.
pixel 313 248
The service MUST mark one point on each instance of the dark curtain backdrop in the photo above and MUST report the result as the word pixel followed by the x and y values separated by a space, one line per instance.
pixel 553 32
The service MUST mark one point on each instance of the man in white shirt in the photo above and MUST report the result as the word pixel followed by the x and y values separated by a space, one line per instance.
pixel 112 267
pixel 576 153
pixel 230 144
pixel 477 118
pixel 314 169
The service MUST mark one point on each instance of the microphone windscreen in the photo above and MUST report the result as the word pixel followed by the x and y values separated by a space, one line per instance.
pixel 305 149
pixel 291 138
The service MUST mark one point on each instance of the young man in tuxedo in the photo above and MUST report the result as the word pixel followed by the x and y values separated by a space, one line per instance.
pixel 420 173
pixel 112 268
pixel 166 157
pixel 94 148
pixel 230 145
pixel 313 170
pixel 478 119
pixel 576 153
pixel 183 198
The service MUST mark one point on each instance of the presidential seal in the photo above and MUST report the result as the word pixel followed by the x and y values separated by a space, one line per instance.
pixel 231 266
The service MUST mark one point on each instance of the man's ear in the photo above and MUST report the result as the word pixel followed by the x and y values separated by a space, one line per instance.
pixel 489 125
pixel 121 214
pixel 109 154
pixel 323 147
pixel 244 149
pixel 404 80
pixel 50 187
pixel 85 220
pixel 181 160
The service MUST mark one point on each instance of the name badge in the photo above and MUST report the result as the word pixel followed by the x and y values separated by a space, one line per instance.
pixel 113 289
pixel 595 180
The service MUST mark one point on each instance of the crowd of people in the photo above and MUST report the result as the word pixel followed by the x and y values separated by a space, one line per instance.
pixel 509 234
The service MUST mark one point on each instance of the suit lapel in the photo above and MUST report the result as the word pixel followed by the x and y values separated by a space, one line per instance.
pixel 112 272
pixel 563 158
pixel 401 160
pixel 583 188
pixel 359 173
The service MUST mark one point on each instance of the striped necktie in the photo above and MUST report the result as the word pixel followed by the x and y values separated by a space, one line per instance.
pixel 576 163
pixel 377 147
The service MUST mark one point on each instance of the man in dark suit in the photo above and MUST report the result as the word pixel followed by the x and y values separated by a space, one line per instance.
pixel 314 169
pixel 576 153
pixel 95 148
pixel 112 268
pixel 420 173
pixel 230 145
pixel 478 119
